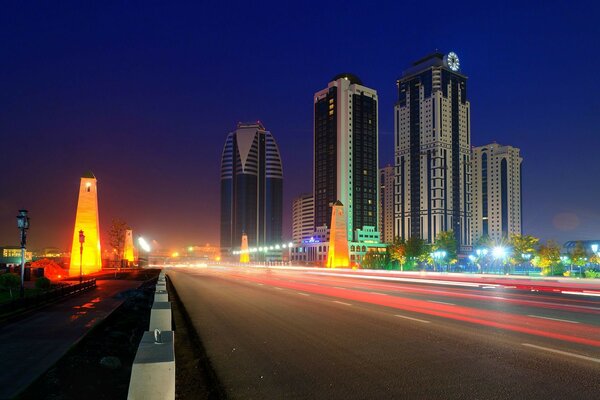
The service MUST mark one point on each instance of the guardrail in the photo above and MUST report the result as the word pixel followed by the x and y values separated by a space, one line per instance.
pixel 29 302
pixel 153 370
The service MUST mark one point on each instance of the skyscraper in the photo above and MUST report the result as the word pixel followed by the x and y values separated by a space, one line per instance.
pixel 251 187
pixel 87 220
pixel 303 217
pixel 346 153
pixel 432 151
pixel 386 203
pixel 497 210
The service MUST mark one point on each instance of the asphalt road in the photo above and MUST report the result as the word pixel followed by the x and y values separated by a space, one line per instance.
pixel 274 334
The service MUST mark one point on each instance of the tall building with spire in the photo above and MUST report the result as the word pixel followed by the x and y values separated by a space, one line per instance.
pixel 251 188
pixel 346 153
pixel 432 151
pixel 86 220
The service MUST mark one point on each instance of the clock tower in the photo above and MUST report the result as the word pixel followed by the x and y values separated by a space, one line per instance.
pixel 432 137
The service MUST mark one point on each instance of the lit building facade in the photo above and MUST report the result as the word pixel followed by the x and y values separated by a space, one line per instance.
pixel 303 217
pixel 346 153
pixel 87 219
pixel 432 151
pixel 497 195
pixel 251 188
pixel 386 203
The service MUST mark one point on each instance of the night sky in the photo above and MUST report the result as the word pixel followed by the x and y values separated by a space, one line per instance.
pixel 144 96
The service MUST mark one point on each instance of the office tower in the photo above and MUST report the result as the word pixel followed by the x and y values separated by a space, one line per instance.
pixel 303 218
pixel 386 203
pixel 497 212
pixel 86 220
pixel 345 152
pixel 432 146
pixel 251 188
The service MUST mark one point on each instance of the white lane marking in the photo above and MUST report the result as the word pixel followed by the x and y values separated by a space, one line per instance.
pixel 380 294
pixel 303 294
pixel 489 287
pixel 261 284
pixel 553 319
pixel 411 318
pixel 581 293
pixel 441 302
pixel 278 288
pixel 339 287
pixel 341 302
pixel 564 353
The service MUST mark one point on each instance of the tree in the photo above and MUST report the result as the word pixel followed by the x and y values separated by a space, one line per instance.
pixel 377 259
pixel 579 255
pixel 446 241
pixel 397 251
pixel 116 237
pixel 523 245
pixel 416 249
pixel 549 258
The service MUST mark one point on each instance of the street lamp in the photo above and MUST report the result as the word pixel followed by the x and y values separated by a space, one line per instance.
pixel 23 225
pixel 499 253
pixel 438 256
pixel 144 245
pixel 81 242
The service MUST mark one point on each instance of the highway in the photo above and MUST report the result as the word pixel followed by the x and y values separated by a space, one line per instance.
pixel 273 333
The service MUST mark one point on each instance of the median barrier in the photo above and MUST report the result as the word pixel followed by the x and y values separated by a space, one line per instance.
pixel 153 370
pixel 161 296
pixel 160 316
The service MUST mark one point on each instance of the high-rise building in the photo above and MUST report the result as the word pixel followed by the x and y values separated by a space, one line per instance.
pixel 86 220
pixel 303 218
pixel 432 151
pixel 386 203
pixel 251 187
pixel 497 212
pixel 345 153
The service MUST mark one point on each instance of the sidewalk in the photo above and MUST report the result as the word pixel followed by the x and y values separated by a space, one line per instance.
pixel 29 346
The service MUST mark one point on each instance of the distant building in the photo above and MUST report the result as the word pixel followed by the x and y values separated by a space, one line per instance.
pixel 11 255
pixel 87 220
pixel 346 152
pixel 386 203
pixel 303 217
pixel 497 212
pixel 432 151
pixel 251 188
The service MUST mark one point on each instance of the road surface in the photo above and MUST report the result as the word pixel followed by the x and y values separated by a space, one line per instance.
pixel 298 334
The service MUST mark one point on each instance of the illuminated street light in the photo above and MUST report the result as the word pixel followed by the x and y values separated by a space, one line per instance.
pixel 498 252
pixel 144 244
pixel 23 225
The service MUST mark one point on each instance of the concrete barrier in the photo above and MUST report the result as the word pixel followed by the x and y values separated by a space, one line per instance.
pixel 161 296
pixel 153 370
pixel 160 316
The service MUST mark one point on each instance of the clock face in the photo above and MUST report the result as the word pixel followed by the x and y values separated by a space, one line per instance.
pixel 452 61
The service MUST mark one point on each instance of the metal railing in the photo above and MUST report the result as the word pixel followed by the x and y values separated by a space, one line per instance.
pixel 46 297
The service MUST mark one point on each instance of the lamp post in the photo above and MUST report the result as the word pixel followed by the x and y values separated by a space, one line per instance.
pixel 526 257
pixel 481 253
pixel 499 253
pixel 23 225
pixel 438 256
pixel 81 242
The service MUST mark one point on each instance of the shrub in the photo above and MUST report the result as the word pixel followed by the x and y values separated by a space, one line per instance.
pixel 592 274
pixel 9 281
pixel 42 283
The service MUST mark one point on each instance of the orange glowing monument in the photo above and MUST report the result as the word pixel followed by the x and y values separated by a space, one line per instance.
pixel 87 221
pixel 337 256
pixel 244 253
pixel 128 247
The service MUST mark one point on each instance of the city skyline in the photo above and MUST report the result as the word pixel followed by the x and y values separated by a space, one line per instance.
pixel 129 144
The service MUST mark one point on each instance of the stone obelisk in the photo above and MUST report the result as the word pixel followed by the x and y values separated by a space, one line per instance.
pixel 86 220
pixel 337 256
pixel 244 253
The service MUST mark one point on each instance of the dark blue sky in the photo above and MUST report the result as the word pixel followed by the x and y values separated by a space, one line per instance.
pixel 144 95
